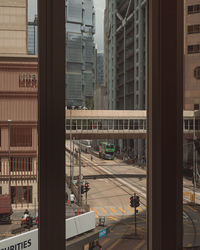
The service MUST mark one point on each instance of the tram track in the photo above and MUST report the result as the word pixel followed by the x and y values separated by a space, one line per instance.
pixel 101 168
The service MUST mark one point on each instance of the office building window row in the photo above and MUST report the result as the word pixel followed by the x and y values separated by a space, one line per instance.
pixel 21 194
pixel 194 48
pixel 21 164
pixel 20 137
pixel 197 73
pixel 192 29
pixel 192 9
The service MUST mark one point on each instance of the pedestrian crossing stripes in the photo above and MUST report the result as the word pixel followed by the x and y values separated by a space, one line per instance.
pixel 116 211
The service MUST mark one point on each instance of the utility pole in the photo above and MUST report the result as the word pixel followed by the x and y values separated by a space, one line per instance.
pixel 79 184
pixel 194 159
pixel 9 165
pixel 135 215
pixel 73 164
pixel 70 167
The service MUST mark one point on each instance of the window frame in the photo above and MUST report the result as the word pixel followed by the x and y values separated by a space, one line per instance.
pixel 162 231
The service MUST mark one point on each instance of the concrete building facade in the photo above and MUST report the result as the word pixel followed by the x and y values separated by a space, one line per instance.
pixel 192 54
pixel 18 129
pixel 13 26
pixel 126 59
pixel 80 52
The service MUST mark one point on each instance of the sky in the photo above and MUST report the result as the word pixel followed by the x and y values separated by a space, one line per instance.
pixel 99 10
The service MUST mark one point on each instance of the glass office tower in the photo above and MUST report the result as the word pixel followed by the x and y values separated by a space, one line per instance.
pixel 80 53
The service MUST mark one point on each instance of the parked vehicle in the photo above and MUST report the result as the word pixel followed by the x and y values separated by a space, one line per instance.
pixel 5 209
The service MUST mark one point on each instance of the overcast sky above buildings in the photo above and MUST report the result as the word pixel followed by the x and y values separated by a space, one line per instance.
pixel 99 10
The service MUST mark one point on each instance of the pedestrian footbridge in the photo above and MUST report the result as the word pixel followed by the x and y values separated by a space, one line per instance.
pixel 118 124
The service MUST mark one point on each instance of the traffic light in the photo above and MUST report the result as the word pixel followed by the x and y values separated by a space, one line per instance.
pixel 132 201
pixel 82 189
pixel 137 201
pixel 87 188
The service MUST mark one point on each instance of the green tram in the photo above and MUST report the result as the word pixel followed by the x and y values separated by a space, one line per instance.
pixel 107 151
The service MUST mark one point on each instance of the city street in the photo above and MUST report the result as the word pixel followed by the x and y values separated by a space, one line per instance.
pixel 112 183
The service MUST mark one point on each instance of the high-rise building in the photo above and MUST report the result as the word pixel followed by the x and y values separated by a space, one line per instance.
pixel 126 58
pixel 33 37
pixel 13 23
pixel 80 52
pixel 192 55
pixel 100 68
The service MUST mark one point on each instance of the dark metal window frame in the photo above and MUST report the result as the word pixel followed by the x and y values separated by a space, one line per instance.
pixel 165 107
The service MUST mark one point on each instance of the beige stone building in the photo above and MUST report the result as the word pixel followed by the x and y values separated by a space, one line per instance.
pixel 192 54
pixel 18 129
pixel 13 27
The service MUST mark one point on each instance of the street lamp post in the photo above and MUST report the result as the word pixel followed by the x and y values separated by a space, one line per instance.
pixel 9 165
pixel 194 158
pixel 70 147
pixel 196 113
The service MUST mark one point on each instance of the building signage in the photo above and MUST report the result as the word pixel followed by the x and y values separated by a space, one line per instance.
pixel 28 80
pixel 102 233
pixel 23 241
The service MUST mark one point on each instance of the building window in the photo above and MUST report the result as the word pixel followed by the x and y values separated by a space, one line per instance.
pixel 0 189
pixel 137 29
pixel 0 137
pixel 192 9
pixel 137 15
pixel 192 29
pixel 137 100
pixel 137 85
pixel 196 106
pixel 137 57
pixel 137 71
pixel 197 72
pixel 21 164
pixel 21 194
pixel 20 137
pixel 194 48
pixel 137 43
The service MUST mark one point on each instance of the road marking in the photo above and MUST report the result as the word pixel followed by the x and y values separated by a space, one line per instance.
pixel 193 209
pixel 105 241
pixel 113 210
pixel 123 211
pixel 104 210
pixel 139 209
pixel 113 218
pixel 131 209
pixel 139 245
pixel 114 244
